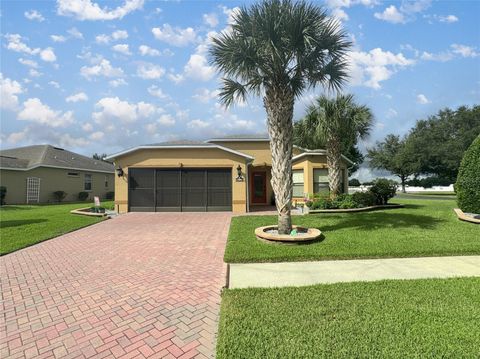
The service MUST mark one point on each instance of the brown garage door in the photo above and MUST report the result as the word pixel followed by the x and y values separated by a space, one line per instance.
pixel 177 190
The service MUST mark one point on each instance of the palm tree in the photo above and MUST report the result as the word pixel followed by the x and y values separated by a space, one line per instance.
pixel 337 123
pixel 277 49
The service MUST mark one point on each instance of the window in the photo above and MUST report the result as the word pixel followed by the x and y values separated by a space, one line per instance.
pixel 320 181
pixel 88 182
pixel 106 181
pixel 72 174
pixel 297 176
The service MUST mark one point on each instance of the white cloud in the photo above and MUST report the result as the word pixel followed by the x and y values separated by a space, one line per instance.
pixel 102 39
pixel 422 99
pixel 448 19
pixel 117 82
pixel 204 95
pixel 15 44
pixel 48 55
pixel 157 92
pixel 120 35
pixel 54 84
pixel 391 113
pixel 149 71
pixel 197 68
pixel 415 6
pixel 81 96
pixel 58 38
pixel 73 32
pixel 27 62
pixel 112 109
pixel 197 124
pixel 96 136
pixel 9 89
pixel 88 10
pixel 148 51
pixel 34 73
pixel 166 120
pixel 176 78
pixel 174 35
pixel 146 109
pixel 340 14
pixel 34 15
pixel 122 48
pixel 115 36
pixel 104 68
pixel 210 19
pixel 391 14
pixel 35 111
pixel 87 127
pixel 464 51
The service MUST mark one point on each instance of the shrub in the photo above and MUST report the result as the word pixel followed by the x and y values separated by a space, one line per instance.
pixel 110 195
pixel 82 196
pixel 468 181
pixel 383 189
pixel 59 195
pixel 3 193
pixel 354 182
pixel 322 202
pixel 347 202
pixel 364 199
pixel 342 201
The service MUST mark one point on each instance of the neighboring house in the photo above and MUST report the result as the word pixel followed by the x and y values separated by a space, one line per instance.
pixel 31 174
pixel 221 174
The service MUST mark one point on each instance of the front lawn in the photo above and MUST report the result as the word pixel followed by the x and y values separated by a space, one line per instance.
pixel 24 225
pixel 388 319
pixel 422 228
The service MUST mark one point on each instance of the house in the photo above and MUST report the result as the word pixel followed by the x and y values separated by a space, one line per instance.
pixel 31 174
pixel 221 174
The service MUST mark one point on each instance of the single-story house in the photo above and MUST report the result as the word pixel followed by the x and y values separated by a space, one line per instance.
pixel 31 174
pixel 222 174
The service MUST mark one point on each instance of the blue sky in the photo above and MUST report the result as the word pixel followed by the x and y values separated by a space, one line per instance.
pixel 100 76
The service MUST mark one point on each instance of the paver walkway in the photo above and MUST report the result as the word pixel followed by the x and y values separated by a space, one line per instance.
pixel 142 285
pixel 308 273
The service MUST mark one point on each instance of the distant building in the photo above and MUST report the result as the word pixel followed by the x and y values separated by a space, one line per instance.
pixel 31 174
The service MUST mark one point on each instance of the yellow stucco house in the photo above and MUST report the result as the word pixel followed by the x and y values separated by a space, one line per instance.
pixel 221 174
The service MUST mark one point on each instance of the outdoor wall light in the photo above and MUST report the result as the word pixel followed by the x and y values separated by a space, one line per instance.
pixel 119 172
pixel 239 174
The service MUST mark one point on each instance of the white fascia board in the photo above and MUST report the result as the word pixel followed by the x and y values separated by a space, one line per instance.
pixel 238 140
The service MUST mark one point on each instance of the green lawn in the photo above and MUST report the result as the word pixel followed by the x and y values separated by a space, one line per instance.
pixel 389 319
pixel 24 225
pixel 422 228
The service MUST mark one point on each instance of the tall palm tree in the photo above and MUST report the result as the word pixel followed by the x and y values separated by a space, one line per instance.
pixel 277 49
pixel 338 123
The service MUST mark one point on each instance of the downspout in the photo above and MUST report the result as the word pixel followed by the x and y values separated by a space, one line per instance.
pixel 247 185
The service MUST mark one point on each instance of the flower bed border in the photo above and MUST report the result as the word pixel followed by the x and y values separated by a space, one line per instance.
pixel 352 210
pixel 463 217
pixel 312 235
pixel 83 211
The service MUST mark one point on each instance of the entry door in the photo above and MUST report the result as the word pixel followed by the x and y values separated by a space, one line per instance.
pixel 258 187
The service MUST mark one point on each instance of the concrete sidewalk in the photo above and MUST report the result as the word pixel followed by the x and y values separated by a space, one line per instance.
pixel 307 273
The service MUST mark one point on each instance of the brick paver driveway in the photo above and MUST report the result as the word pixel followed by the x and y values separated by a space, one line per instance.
pixel 140 285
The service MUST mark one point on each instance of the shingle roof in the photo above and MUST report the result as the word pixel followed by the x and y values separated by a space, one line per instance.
pixel 239 137
pixel 181 143
pixel 49 156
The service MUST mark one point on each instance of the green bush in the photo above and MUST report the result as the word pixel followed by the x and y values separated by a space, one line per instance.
pixel 354 182
pixel 3 193
pixel 364 199
pixel 383 189
pixel 342 201
pixel 467 187
pixel 82 196
pixel 59 195
pixel 110 195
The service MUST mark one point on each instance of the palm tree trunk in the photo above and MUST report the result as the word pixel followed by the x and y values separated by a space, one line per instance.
pixel 334 158
pixel 279 107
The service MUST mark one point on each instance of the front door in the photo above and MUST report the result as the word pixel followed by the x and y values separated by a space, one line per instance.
pixel 258 187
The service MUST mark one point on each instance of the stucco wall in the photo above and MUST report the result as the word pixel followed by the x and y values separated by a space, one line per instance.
pixel 181 157
pixel 51 180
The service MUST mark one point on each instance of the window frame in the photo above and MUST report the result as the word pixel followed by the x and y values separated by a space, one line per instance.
pixel 316 184
pixel 90 182
pixel 294 184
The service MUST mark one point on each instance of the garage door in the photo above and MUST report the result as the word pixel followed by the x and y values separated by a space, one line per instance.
pixel 177 190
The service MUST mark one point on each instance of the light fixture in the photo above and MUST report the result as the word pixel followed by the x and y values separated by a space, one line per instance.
pixel 239 174
pixel 119 172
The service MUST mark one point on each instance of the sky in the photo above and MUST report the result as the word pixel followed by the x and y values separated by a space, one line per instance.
pixel 101 76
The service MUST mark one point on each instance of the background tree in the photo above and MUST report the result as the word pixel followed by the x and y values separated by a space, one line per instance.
pixel 101 157
pixel 277 49
pixel 396 155
pixel 337 123
pixel 440 141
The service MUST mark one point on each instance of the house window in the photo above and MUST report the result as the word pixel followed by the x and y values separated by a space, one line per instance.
pixel 72 174
pixel 320 181
pixel 88 182
pixel 297 176
pixel 106 181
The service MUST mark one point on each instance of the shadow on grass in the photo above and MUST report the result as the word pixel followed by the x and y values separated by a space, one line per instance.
pixel 375 221
pixel 15 208
pixel 20 222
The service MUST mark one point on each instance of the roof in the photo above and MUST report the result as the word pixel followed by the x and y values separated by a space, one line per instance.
pixel 178 145
pixel 29 157
pixel 318 152
pixel 244 137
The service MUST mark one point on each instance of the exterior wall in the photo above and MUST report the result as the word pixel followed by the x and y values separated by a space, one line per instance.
pixel 51 180
pixel 177 158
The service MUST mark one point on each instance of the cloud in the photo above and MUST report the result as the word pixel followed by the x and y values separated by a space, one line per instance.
pixel 166 120
pixel 111 109
pixel 102 39
pixel 34 73
pixel 204 95
pixel 448 19
pixel 197 124
pixel 175 36
pixel 27 62
pixel 104 68
pixel 34 15
pixel 96 136
pixel 464 51
pixel 88 10
pixel 210 19
pixel 148 51
pixel 35 111
pixel 157 92
pixel 120 35
pixel 73 32
pixel 54 84
pixel 15 44
pixel 48 55
pixel 197 68
pixel 9 89
pixel 391 14
pixel 422 99
pixel 455 51
pixel 117 82
pixel 122 48
pixel 58 38
pixel 115 36
pixel 81 96
pixel 149 71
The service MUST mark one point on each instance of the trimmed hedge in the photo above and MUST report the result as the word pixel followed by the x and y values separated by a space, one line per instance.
pixel 468 180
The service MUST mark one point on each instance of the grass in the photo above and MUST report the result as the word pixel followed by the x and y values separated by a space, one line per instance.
pixel 389 319
pixel 433 193
pixel 24 225
pixel 422 228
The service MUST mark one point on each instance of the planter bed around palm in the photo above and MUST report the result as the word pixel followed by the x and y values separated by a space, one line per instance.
pixel 360 209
